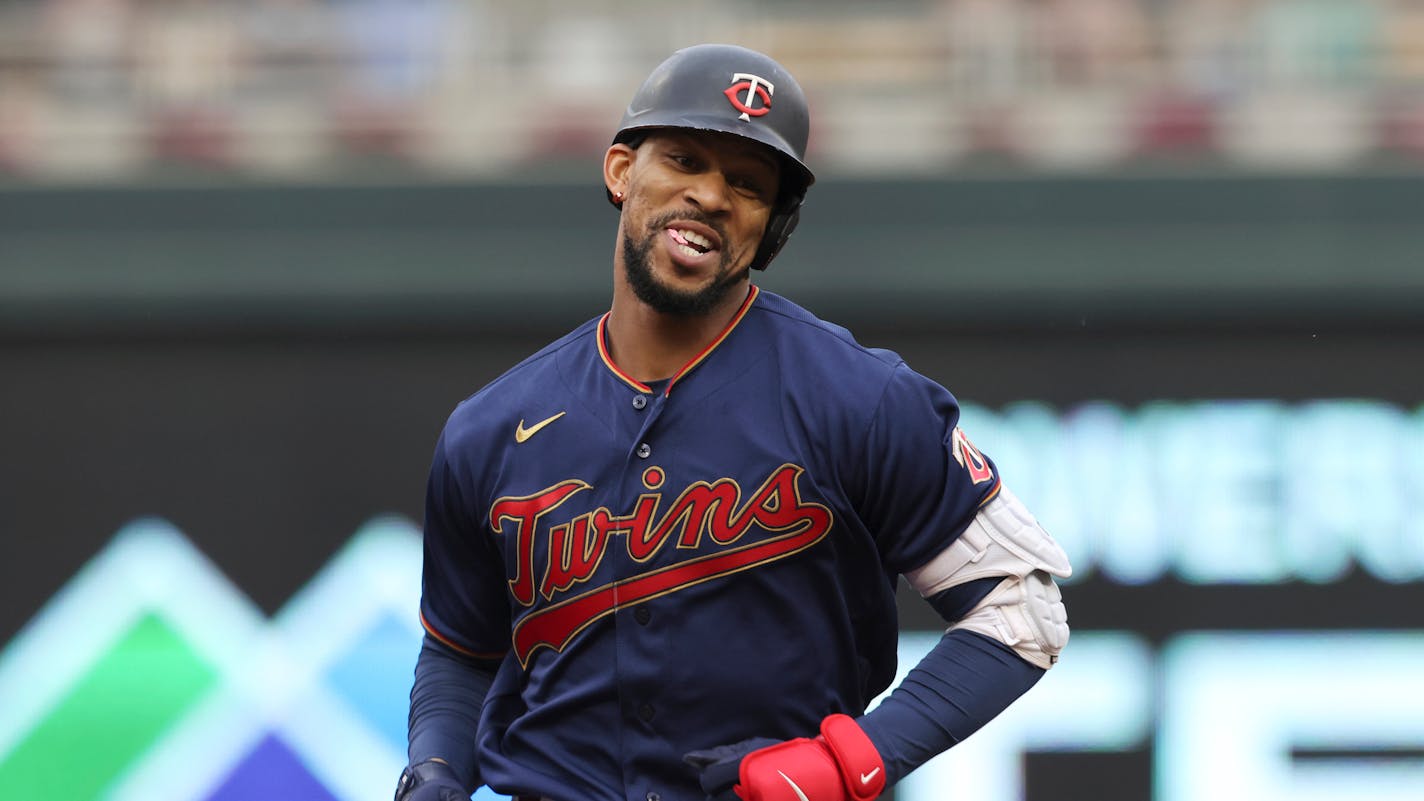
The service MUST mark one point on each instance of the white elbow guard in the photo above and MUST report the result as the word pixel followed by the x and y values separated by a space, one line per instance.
pixel 1026 614
pixel 1025 611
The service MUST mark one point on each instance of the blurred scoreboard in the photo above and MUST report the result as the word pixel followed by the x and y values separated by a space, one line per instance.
pixel 1246 608
pixel 1246 602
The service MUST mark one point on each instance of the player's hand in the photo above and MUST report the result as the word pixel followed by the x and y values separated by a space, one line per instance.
pixel 840 765
pixel 438 791
pixel 431 780
pixel 718 767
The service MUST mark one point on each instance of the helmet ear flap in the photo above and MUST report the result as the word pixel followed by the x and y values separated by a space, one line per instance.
pixel 784 220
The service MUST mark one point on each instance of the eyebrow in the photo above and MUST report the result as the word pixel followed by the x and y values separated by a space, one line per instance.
pixel 758 154
pixel 761 155
pixel 744 148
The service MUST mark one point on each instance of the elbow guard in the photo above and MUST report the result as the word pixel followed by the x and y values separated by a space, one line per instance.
pixel 1025 611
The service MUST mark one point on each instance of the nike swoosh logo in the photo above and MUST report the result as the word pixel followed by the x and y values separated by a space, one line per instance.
pixel 866 777
pixel 521 433
pixel 799 795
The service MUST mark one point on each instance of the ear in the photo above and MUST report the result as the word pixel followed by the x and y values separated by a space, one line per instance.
pixel 617 164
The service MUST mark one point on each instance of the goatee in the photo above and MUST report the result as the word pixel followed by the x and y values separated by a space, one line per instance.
pixel 638 268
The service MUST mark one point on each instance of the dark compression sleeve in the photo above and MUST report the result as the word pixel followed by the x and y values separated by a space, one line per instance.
pixel 961 684
pixel 445 706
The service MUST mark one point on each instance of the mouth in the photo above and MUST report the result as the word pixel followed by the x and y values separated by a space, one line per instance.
pixel 692 244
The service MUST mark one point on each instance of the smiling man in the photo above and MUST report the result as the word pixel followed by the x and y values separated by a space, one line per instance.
pixel 732 183
pixel 661 553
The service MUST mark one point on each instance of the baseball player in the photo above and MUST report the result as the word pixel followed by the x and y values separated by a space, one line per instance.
pixel 661 553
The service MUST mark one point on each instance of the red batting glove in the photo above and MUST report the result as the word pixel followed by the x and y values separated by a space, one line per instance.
pixel 840 765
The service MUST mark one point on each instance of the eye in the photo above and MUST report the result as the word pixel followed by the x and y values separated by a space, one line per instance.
pixel 749 186
pixel 683 160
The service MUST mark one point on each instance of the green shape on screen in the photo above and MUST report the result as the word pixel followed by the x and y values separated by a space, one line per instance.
pixel 112 715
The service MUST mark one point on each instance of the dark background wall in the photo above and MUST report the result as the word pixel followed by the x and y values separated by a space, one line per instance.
pixel 936 254
pixel 268 367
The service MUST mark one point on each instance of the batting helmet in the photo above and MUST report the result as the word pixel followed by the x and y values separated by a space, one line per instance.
pixel 730 89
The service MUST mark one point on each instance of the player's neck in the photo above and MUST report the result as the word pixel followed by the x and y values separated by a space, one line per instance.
pixel 651 346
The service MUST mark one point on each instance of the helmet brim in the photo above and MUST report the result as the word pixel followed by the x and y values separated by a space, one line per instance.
pixel 800 175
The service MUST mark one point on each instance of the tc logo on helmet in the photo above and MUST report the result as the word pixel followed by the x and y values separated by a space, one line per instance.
pixel 756 89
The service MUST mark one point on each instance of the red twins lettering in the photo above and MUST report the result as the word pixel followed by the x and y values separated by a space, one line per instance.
pixel 577 547
pixel 527 510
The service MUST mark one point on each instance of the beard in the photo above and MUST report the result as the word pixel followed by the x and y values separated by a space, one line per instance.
pixel 658 295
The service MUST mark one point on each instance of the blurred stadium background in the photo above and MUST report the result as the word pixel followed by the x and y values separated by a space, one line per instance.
pixel 1167 252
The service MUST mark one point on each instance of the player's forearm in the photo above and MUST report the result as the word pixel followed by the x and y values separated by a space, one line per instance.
pixel 961 684
pixel 995 584
pixel 445 704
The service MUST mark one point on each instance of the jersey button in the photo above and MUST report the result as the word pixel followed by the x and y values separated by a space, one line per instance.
pixel 644 451
pixel 646 712
pixel 639 401
pixel 643 615
pixel 654 797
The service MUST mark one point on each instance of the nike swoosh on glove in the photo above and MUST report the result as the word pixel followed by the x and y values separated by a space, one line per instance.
pixel 840 765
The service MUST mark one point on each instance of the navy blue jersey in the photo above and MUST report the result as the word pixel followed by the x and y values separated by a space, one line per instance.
pixel 674 567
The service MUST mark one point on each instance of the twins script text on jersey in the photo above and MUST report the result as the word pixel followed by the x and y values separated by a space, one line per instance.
pixel 577 547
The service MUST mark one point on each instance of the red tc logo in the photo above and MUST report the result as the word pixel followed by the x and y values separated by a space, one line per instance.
pixel 756 89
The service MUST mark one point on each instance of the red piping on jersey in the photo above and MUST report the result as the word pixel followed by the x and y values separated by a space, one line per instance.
pixel 993 493
pixel 458 647
pixel 686 368
pixel 608 360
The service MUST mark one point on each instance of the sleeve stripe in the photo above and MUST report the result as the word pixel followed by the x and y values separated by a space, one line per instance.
pixel 458 647
pixel 993 493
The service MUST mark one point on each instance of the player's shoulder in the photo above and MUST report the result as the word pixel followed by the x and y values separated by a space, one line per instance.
pixel 815 354
pixel 793 326
pixel 486 407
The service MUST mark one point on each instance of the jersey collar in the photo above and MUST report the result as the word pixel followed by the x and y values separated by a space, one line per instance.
pixel 686 368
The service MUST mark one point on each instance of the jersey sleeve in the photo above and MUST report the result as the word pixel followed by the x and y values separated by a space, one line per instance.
pixel 463 600
pixel 923 480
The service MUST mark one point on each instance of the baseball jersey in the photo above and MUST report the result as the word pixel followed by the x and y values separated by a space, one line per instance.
pixel 674 566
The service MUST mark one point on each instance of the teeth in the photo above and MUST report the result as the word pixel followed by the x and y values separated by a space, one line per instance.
pixel 689 250
pixel 696 239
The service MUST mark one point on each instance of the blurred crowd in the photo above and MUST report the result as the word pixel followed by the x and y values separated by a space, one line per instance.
pixel 122 89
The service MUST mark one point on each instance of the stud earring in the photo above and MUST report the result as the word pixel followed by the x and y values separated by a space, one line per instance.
pixel 617 197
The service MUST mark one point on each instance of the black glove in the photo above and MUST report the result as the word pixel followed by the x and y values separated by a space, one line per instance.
pixel 430 780
pixel 718 767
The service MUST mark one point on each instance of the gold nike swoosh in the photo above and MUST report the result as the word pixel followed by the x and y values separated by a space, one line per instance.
pixel 521 433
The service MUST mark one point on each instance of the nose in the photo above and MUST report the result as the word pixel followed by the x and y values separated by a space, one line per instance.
pixel 709 192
